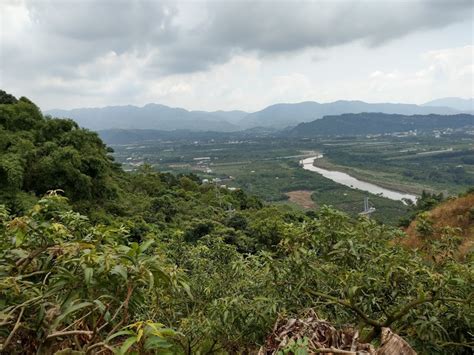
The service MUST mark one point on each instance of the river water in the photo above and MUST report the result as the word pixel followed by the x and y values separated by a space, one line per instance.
pixel 347 180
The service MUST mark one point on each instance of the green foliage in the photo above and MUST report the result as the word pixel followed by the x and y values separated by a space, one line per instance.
pixel 158 263
pixel 298 347
pixel 6 98
pixel 38 154
pixel 424 225
pixel 62 277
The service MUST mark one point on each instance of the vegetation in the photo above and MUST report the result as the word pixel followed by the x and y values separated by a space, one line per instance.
pixel 415 163
pixel 150 262
pixel 266 167
pixel 444 228
pixel 38 154
pixel 353 124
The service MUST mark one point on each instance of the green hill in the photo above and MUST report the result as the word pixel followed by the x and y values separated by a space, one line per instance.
pixel 96 260
pixel 379 123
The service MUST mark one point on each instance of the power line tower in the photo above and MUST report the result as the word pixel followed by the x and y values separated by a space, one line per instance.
pixel 368 210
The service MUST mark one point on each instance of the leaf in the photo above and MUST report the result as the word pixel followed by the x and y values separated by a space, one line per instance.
pixel 120 270
pixel 107 316
pixel 139 334
pixel 88 273
pixel 127 344
pixel 157 343
pixel 187 289
pixel 100 305
pixel 68 311
pixel 144 246
pixel 353 290
pixel 167 332
pixel 19 237
pixel 122 332
pixel 20 253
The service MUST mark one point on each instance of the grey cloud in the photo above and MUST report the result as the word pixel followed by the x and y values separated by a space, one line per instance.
pixel 279 27
pixel 118 21
pixel 66 34
pixel 290 25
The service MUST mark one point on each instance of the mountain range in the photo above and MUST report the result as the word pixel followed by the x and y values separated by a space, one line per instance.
pixel 379 123
pixel 283 115
pixel 454 102
pixel 152 116
pixel 278 116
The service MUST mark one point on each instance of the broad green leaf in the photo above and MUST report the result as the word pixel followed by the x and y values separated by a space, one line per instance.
pixel 19 237
pixel 127 344
pixel 120 270
pixel 120 333
pixel 144 246
pixel 88 273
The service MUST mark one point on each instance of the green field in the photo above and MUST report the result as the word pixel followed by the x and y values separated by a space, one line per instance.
pixel 268 167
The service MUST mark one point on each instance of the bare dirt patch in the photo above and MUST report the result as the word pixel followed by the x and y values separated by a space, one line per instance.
pixel 301 198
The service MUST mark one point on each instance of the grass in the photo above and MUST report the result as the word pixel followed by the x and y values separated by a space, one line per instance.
pixel 455 213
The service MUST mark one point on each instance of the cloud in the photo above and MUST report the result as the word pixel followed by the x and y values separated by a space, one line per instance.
pixel 93 46
pixel 445 72
pixel 282 26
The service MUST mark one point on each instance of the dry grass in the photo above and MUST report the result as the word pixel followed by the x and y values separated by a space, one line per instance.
pixel 456 213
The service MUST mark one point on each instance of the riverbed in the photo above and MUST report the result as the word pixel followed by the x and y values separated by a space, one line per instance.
pixel 352 182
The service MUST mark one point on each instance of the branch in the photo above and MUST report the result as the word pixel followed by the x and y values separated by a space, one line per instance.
pixel 96 345
pixel 69 332
pixel 124 305
pixel 15 328
pixel 333 351
pixel 30 257
pixel 465 345
pixel 347 304
pixel 404 311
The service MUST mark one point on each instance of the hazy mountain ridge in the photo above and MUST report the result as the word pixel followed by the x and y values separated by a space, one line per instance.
pixel 379 123
pixel 281 115
pixel 151 116
pixel 456 103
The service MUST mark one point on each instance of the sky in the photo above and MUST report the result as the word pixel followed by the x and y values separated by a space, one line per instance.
pixel 211 55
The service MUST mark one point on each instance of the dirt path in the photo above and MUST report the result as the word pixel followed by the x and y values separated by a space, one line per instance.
pixel 302 198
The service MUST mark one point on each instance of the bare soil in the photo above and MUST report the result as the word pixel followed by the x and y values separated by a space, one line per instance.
pixel 301 198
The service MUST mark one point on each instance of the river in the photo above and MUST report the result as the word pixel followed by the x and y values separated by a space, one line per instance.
pixel 347 180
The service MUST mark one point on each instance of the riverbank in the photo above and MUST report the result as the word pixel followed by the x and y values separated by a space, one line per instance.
pixel 354 183
pixel 382 179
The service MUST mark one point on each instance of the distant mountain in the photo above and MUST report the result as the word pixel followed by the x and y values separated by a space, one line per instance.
pixel 283 115
pixel 379 123
pixel 151 116
pixel 456 103
pixel 231 116
pixel 278 116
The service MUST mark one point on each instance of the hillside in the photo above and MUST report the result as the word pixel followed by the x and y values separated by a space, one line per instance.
pixel 380 123
pixel 96 260
pixel 452 221
pixel 284 115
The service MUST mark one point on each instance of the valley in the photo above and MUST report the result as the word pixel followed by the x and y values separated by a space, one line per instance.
pixel 267 165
